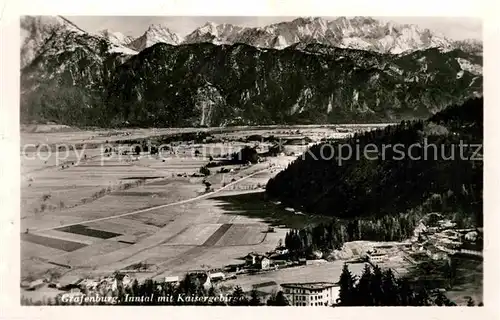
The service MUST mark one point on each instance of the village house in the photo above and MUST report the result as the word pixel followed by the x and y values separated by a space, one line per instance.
pixel 376 257
pixel 68 283
pixel 121 279
pixel 451 234
pixel 250 258
pixel 263 262
pixel 311 293
pixel 257 261
pixel 281 250
pixel 471 236
pixel 471 253
pixel 89 284
pixel 446 224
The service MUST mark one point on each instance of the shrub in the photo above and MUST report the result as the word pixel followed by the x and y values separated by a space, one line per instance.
pixel 205 171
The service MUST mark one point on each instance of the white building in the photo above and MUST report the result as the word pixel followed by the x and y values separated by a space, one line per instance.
pixel 311 294
pixel 375 258
pixel 172 280
pixel 217 276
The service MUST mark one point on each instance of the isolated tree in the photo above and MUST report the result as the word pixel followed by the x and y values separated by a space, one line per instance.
pixel 238 297
pixel 153 150
pixel 470 302
pixel 442 300
pixel 215 292
pixel 376 286
pixel 451 271
pixel 363 296
pixel 278 300
pixel 406 295
pixel 245 155
pixel 254 298
pixel 390 289
pixel 191 285
pixel 135 288
pixel 347 290
pixel 281 300
pixel 280 243
pixel 422 298
pixel 205 171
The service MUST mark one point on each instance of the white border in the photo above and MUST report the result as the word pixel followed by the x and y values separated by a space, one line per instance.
pixel 9 146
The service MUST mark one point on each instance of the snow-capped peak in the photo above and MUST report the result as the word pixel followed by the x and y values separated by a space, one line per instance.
pixel 156 33
pixel 215 33
pixel 36 29
pixel 115 37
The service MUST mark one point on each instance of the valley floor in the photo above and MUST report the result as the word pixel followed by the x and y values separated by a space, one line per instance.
pixel 105 213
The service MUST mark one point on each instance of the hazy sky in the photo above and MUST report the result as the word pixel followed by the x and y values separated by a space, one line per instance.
pixel 452 27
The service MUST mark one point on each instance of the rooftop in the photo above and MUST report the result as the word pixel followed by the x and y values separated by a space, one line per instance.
pixel 310 285
pixel 217 274
pixel 172 279
pixel 377 254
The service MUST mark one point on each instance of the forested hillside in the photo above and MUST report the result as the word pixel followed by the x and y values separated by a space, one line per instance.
pixel 389 182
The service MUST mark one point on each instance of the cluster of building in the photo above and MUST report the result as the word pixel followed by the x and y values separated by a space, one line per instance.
pixel 441 239
pixel 256 262
pixel 435 238
pixel 392 255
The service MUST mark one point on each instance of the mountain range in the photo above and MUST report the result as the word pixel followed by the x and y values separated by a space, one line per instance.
pixel 303 71
pixel 355 33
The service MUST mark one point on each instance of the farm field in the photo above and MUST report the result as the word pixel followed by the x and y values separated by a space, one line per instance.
pixel 109 212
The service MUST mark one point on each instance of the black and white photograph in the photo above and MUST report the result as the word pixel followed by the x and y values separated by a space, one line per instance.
pixel 301 161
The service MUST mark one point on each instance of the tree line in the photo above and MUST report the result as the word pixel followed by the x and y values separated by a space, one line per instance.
pixel 367 187
pixel 382 288
pixel 326 237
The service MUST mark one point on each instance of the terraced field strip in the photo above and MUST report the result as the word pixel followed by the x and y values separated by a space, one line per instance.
pixel 73 237
pixel 206 195
pixel 30 250
pixel 179 260
pixel 83 230
pixel 151 242
pixel 195 235
pixel 243 235
pixel 219 233
pixel 264 284
pixel 122 226
pixel 52 242
pixel 80 257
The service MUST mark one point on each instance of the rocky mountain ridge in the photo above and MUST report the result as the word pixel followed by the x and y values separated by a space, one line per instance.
pixel 155 34
pixel 354 33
